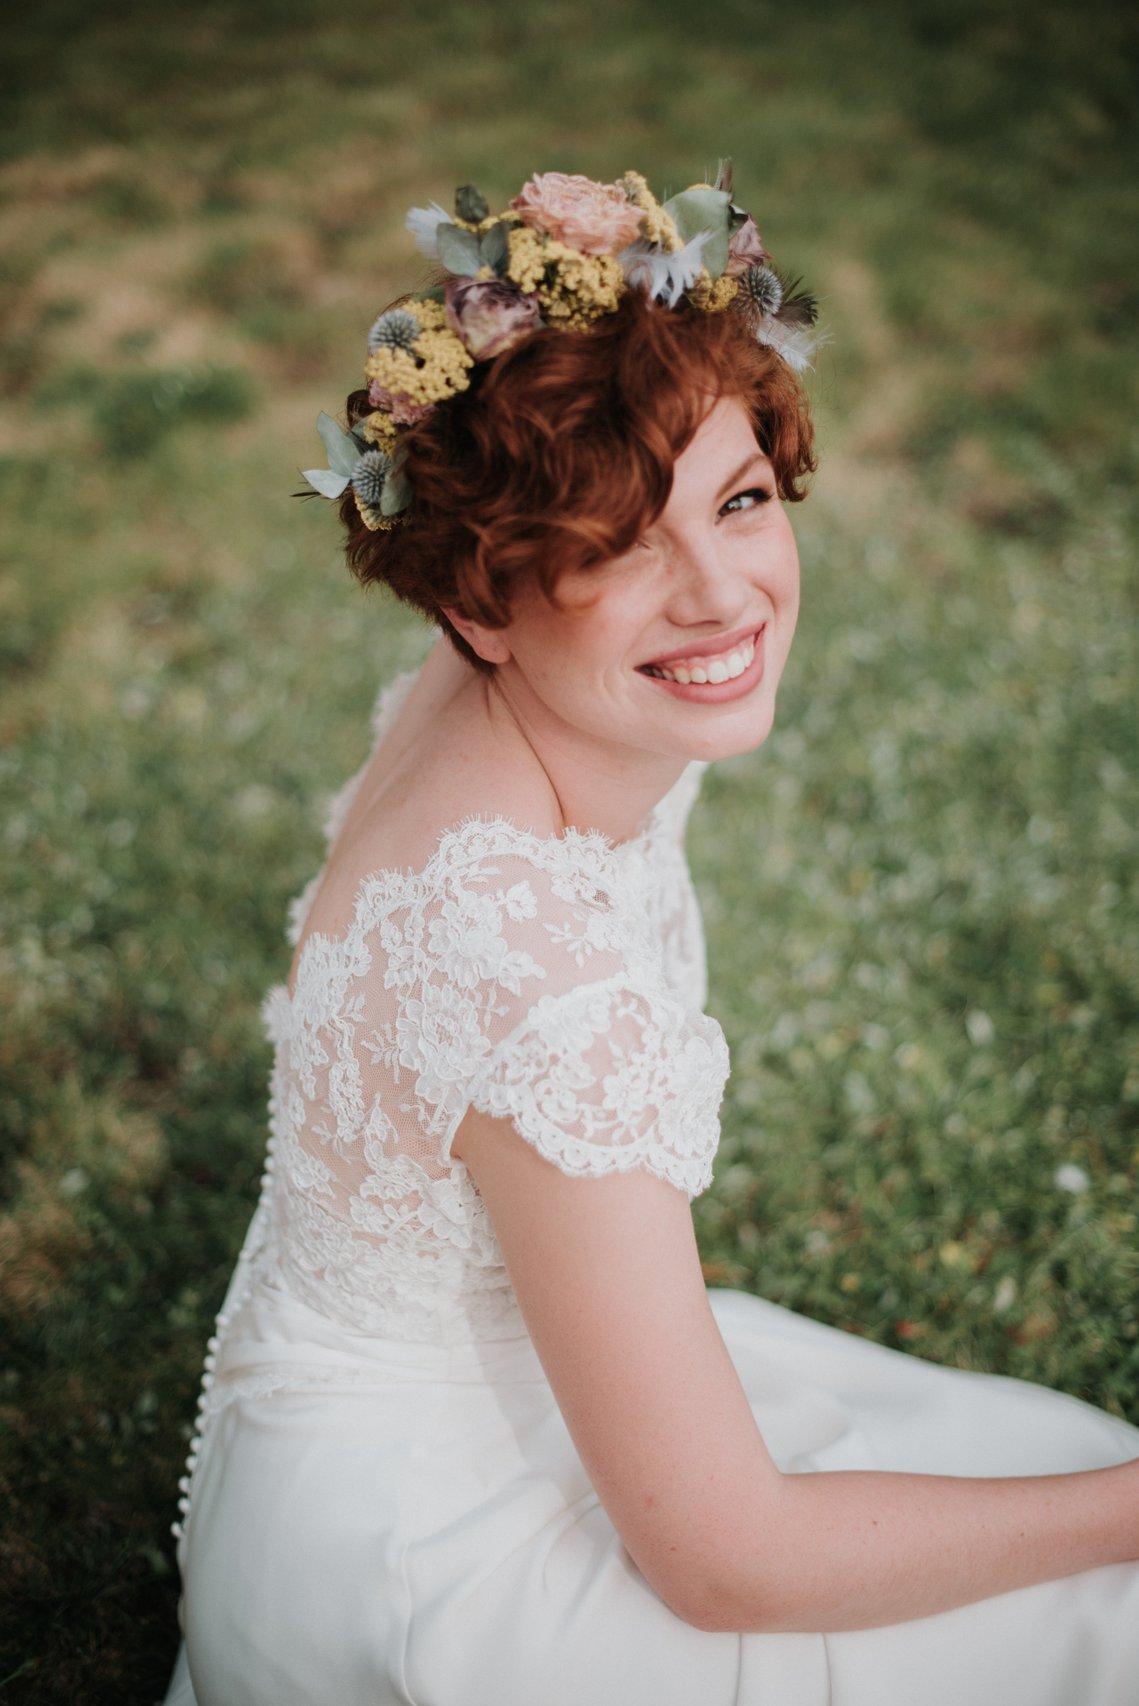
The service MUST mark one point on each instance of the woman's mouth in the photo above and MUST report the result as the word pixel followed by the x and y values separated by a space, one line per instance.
pixel 712 680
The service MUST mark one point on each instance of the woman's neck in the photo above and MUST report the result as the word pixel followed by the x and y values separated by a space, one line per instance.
pixel 592 782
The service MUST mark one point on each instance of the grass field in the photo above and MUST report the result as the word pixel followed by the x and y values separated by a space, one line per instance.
pixel 919 894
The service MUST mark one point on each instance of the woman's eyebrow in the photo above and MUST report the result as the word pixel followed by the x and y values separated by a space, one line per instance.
pixel 757 456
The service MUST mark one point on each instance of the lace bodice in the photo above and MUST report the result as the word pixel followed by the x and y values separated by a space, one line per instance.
pixel 557 981
pixel 676 907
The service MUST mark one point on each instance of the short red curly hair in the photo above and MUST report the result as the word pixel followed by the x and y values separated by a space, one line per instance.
pixel 561 453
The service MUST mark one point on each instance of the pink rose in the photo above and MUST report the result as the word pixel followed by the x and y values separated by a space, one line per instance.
pixel 489 315
pixel 590 217
pixel 745 249
pixel 402 410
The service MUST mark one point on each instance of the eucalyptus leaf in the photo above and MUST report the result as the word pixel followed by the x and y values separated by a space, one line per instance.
pixel 395 493
pixel 704 209
pixel 471 204
pixel 458 249
pixel 323 480
pixel 343 451
pixel 714 254
pixel 700 208
pixel 494 250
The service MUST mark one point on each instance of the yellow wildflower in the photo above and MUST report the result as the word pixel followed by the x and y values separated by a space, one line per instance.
pixel 436 366
pixel 379 428
pixel 583 286
pixel 374 520
pixel 526 261
pixel 657 225
pixel 713 294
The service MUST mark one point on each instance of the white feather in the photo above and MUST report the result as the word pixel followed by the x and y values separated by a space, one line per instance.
pixel 423 223
pixel 798 345
pixel 661 273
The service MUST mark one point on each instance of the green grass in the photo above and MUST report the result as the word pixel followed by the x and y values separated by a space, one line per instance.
pixel 919 893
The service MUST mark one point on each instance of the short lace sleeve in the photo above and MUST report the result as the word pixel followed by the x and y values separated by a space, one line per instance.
pixel 584 1046
pixel 611 1076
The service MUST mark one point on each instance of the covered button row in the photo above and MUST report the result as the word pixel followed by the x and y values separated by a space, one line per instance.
pixel 213 1344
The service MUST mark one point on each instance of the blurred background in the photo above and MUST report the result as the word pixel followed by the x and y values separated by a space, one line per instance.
pixel 919 894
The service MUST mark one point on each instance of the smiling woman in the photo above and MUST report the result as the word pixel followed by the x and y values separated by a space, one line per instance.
pixel 475 1431
pixel 559 457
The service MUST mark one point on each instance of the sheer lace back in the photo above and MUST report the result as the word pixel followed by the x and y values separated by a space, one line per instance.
pixel 556 981
pixel 519 974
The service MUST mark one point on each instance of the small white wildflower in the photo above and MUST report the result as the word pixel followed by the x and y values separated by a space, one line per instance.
pixel 980 1028
pixel 1069 1177
pixel 1005 1295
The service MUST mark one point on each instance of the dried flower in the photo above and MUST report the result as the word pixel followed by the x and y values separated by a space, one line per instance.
pixel 657 227
pixel 369 475
pixel 435 367
pixel 762 288
pixel 401 409
pixel 490 315
pixel 398 328
pixel 591 217
pixel 745 249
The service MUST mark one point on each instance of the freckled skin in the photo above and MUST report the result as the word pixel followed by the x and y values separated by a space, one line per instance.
pixel 609 739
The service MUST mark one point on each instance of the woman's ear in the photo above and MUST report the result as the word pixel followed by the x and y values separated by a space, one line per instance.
pixel 489 643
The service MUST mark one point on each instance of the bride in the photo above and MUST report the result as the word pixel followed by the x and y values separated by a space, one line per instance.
pixel 472 1428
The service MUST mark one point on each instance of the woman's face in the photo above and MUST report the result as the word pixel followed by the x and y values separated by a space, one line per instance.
pixel 719 563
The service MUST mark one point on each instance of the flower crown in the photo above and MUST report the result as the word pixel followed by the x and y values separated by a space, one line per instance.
pixel 561 254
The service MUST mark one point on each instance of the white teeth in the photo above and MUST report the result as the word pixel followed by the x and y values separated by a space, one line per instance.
pixel 719 669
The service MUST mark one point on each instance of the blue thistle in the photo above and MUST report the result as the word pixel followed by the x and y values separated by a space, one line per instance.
pixel 369 475
pixel 761 287
pixel 398 328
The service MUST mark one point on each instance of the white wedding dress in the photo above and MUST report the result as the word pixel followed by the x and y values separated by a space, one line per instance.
pixel 383 1503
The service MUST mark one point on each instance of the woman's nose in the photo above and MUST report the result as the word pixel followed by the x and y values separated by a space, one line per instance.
pixel 705 587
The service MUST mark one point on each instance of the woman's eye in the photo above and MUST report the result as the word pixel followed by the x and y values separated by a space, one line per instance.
pixel 759 493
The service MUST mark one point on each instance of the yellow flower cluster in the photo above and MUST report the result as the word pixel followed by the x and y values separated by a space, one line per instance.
pixel 713 294
pixel 379 429
pixel 657 225
pixel 445 360
pixel 376 522
pixel 526 263
pixel 584 286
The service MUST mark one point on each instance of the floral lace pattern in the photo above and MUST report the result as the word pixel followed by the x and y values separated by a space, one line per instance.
pixel 518 974
pixel 676 907
pixel 557 981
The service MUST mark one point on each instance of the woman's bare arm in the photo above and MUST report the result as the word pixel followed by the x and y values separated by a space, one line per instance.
pixel 608 1278
pixel 853 1549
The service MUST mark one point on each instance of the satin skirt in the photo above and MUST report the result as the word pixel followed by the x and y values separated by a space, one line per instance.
pixel 410 1523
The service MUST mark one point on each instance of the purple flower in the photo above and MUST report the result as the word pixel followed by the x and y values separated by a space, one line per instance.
pixel 745 249
pixel 402 410
pixel 489 315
